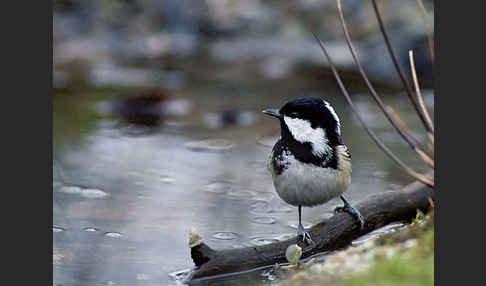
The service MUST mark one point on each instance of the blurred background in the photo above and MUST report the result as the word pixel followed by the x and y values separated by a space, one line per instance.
pixel 158 126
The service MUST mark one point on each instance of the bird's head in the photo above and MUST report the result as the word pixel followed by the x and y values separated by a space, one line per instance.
pixel 309 121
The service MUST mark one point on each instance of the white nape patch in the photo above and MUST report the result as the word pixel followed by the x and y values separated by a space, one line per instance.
pixel 303 132
pixel 338 126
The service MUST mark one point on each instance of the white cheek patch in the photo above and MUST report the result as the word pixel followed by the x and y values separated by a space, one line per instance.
pixel 302 131
pixel 338 126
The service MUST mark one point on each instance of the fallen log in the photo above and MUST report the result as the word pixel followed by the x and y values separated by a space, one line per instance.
pixel 332 234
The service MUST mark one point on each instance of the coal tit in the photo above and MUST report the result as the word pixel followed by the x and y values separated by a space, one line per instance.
pixel 309 164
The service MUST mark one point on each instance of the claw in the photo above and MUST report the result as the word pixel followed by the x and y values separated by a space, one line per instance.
pixel 352 211
pixel 361 220
pixel 305 235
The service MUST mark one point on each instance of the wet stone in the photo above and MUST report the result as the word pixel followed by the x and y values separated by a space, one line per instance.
pixel 90 229
pixel 57 229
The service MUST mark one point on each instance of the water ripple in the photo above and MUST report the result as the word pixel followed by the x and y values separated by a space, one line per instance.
pixel 93 193
pixel 225 235
pixel 241 193
pixel 215 145
pixel 218 187
pixel 166 179
pixel 264 220
pixel 260 207
pixel 263 240
pixel 282 208
pixel 84 192
pixel 113 234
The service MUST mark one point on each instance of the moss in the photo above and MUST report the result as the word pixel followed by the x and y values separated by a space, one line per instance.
pixel 402 269
pixel 405 257
pixel 413 265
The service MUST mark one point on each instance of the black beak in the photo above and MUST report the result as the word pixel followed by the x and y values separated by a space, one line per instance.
pixel 273 112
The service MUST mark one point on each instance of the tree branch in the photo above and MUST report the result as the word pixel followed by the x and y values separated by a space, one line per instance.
pixel 332 234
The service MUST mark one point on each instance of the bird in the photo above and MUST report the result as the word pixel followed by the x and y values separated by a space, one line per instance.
pixel 309 163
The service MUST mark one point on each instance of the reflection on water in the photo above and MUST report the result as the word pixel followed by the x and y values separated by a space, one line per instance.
pixel 125 197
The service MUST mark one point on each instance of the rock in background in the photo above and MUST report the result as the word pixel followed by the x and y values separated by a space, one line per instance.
pixel 139 42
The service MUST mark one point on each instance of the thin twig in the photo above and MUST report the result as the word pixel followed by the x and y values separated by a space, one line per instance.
pixel 417 91
pixel 397 118
pixel 431 138
pixel 427 29
pixel 385 149
pixel 406 84
pixel 422 154
pixel 430 143
pixel 425 158
pixel 413 142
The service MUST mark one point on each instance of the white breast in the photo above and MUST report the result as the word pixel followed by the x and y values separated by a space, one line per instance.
pixel 310 185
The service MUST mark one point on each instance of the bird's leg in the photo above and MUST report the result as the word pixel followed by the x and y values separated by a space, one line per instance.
pixel 301 231
pixel 351 210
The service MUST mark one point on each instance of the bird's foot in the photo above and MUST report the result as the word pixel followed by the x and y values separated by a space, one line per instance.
pixel 352 211
pixel 305 235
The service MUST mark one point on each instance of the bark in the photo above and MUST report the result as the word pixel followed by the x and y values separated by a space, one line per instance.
pixel 332 234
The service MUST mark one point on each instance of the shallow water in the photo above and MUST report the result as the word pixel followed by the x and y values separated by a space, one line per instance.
pixel 125 197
